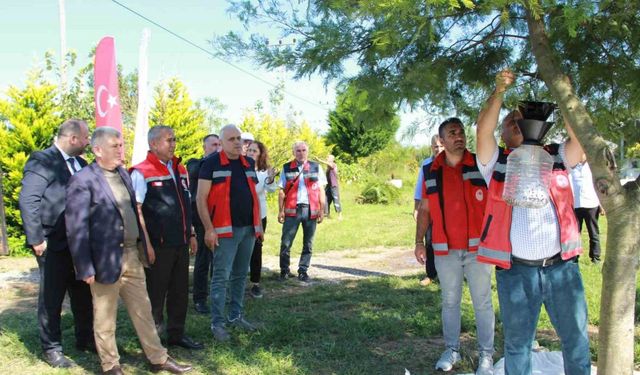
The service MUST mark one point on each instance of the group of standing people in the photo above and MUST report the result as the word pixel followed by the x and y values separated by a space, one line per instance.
pixel 534 251
pixel 100 232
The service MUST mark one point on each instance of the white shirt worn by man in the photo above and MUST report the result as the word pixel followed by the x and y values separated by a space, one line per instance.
pixel 584 194
pixel 303 195
pixel 139 184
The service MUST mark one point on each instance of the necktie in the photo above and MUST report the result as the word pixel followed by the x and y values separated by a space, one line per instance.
pixel 72 163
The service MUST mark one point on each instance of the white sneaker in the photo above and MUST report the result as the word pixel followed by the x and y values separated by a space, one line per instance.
pixel 485 364
pixel 447 360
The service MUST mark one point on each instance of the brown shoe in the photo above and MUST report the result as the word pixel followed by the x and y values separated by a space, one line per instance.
pixel 171 366
pixel 426 281
pixel 115 370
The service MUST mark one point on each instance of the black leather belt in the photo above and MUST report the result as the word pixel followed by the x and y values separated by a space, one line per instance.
pixel 302 205
pixel 540 262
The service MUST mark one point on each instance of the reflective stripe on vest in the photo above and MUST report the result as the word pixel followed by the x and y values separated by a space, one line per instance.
pixel 224 230
pixel 158 178
pixel 218 174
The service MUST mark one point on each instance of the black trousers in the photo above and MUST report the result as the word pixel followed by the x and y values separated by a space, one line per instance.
pixel 590 217
pixel 168 283
pixel 430 264
pixel 58 277
pixel 255 267
pixel 201 268
pixel 333 195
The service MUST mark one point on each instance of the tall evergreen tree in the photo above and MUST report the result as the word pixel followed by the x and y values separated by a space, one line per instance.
pixel 173 107
pixel 359 129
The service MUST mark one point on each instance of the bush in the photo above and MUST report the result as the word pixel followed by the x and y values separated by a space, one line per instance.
pixel 379 192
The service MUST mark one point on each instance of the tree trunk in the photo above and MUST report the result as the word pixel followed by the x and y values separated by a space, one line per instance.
pixel 616 330
pixel 4 246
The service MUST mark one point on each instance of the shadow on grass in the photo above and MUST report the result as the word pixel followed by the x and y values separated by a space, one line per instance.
pixel 380 325
pixel 351 271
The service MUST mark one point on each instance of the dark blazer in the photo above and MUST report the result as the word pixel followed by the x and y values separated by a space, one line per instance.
pixel 42 198
pixel 95 227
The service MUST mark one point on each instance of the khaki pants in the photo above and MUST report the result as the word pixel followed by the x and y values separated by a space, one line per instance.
pixel 132 288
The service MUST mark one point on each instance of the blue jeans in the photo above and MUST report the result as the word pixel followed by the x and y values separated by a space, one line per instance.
pixel 289 231
pixel 452 269
pixel 230 264
pixel 521 291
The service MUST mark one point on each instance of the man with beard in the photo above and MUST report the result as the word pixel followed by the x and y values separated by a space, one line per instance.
pixel 453 201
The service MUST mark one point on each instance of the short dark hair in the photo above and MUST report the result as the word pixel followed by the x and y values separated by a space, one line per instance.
pixel 450 120
pixel 71 126
pixel 209 136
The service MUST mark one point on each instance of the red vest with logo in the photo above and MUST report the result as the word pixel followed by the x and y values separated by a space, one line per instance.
pixel 219 199
pixel 475 192
pixel 292 175
pixel 166 207
pixel 495 242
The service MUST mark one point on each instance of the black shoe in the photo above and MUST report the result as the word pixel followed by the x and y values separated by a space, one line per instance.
pixel 171 366
pixel 58 360
pixel 201 308
pixel 90 347
pixel 595 260
pixel 256 291
pixel 187 343
pixel 302 276
pixel 286 275
pixel 115 370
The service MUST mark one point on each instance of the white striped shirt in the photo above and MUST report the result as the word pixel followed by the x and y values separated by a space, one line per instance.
pixel 535 233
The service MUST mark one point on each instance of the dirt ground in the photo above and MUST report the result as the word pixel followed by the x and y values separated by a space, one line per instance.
pixel 19 276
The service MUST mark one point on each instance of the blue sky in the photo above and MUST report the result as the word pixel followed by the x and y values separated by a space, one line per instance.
pixel 30 28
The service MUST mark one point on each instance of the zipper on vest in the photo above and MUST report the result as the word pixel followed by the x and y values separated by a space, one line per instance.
pixel 180 199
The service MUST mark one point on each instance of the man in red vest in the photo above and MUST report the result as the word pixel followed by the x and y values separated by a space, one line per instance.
pixel 453 201
pixel 162 193
pixel 301 201
pixel 229 209
pixel 535 249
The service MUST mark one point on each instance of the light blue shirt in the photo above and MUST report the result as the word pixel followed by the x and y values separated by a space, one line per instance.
pixel 417 194
pixel 139 184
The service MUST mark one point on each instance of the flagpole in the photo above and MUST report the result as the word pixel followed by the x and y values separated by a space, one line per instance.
pixel 63 46
pixel 140 144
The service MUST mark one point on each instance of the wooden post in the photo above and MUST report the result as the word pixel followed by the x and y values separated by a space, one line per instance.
pixel 4 245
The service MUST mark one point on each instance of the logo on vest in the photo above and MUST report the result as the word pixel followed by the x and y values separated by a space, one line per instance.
pixel 479 195
pixel 184 184
pixel 314 186
pixel 562 181
pixel 156 184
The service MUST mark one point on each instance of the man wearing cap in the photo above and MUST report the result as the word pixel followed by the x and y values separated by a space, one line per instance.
pixel 247 138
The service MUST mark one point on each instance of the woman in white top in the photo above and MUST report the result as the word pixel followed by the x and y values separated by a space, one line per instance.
pixel 266 183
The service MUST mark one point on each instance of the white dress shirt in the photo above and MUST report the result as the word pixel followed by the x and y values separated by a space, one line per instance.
pixel 534 232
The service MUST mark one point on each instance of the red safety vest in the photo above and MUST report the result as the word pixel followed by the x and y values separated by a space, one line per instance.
pixel 495 243
pixel 310 174
pixel 166 207
pixel 219 200
pixel 475 191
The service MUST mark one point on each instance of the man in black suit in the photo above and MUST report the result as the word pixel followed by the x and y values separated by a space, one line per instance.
pixel 42 205
pixel 103 229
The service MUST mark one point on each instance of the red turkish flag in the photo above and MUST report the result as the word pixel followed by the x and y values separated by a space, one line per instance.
pixel 107 94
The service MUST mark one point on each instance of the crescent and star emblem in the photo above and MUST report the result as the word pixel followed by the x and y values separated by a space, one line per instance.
pixel 112 100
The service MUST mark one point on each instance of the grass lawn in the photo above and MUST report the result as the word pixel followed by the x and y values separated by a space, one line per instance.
pixel 380 325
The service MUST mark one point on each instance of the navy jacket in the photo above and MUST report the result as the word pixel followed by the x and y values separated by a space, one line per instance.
pixel 42 198
pixel 95 227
